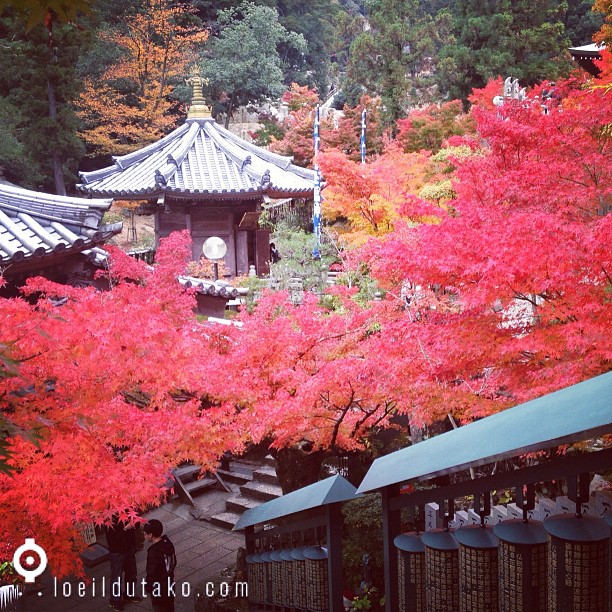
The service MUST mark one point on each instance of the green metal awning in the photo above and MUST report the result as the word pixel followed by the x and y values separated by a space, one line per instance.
pixel 329 491
pixel 575 413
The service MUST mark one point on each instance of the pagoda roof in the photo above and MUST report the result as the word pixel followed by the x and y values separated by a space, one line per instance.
pixel 200 159
pixel 35 226
pixel 590 50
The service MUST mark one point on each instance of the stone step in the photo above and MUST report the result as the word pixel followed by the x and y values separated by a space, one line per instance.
pixel 234 477
pixel 269 460
pixel 225 519
pixel 240 503
pixel 198 485
pixel 267 474
pixel 187 472
pixel 261 491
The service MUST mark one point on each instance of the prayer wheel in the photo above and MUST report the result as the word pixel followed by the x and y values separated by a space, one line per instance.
pixel 522 565
pixel 478 571
pixel 441 571
pixel 267 593
pixel 287 578
pixel 411 572
pixel 578 563
pixel 299 579
pixel 317 579
pixel 277 578
pixel 255 577
pixel 608 519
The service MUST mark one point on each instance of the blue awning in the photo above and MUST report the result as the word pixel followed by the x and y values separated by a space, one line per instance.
pixel 329 491
pixel 575 413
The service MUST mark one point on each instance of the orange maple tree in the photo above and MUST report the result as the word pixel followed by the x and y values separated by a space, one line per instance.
pixel 131 105
pixel 297 140
pixel 368 197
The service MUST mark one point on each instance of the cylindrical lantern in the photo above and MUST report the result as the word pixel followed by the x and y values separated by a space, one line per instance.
pixel 267 593
pixel 441 570
pixel 522 565
pixel 254 578
pixel 287 576
pixel 578 563
pixel 317 579
pixel 277 578
pixel 411 572
pixel 477 568
pixel 299 579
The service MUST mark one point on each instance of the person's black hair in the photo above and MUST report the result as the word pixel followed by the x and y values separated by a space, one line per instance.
pixel 154 527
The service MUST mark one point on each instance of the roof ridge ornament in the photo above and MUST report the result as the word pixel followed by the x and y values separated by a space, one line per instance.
pixel 198 109
pixel 247 160
pixel 160 179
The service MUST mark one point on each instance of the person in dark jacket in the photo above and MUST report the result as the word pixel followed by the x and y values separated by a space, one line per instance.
pixel 161 561
pixel 121 540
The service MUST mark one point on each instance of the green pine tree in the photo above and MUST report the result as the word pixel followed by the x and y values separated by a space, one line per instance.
pixel 394 58
pixel 524 39
pixel 38 79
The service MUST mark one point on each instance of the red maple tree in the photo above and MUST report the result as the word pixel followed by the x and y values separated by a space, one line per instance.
pixel 510 290
pixel 111 389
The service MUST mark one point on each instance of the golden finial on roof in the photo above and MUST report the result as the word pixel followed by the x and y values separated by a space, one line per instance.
pixel 198 108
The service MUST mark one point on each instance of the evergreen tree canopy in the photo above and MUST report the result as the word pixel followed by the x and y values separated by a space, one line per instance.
pixel 39 81
pixel 243 63
pixel 394 56
pixel 524 39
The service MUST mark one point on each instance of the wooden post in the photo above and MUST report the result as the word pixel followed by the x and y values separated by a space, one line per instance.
pixel 249 539
pixel 391 529
pixel 334 556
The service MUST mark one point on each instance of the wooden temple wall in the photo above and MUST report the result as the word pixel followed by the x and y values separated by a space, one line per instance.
pixel 245 247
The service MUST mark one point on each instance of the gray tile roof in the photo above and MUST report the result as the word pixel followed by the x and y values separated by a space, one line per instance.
pixel 35 225
pixel 203 159
pixel 206 287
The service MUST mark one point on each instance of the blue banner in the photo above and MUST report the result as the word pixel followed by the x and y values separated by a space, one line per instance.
pixel 316 215
pixel 362 140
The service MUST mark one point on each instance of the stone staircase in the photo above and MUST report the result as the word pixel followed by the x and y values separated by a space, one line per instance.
pixel 250 491
pixel 187 484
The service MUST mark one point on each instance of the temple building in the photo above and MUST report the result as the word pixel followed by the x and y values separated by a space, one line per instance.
pixel 586 55
pixel 57 237
pixel 205 179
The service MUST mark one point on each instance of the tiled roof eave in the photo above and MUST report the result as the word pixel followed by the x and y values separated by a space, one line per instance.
pixel 51 255
pixel 129 194
pixel 48 258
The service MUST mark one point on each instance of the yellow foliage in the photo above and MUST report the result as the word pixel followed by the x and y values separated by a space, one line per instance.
pixel 158 50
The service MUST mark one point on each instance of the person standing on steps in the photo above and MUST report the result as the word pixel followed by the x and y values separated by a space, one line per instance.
pixel 161 562
pixel 121 540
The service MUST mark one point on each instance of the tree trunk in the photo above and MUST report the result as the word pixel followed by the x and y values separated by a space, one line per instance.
pixel 58 173
pixel 297 468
